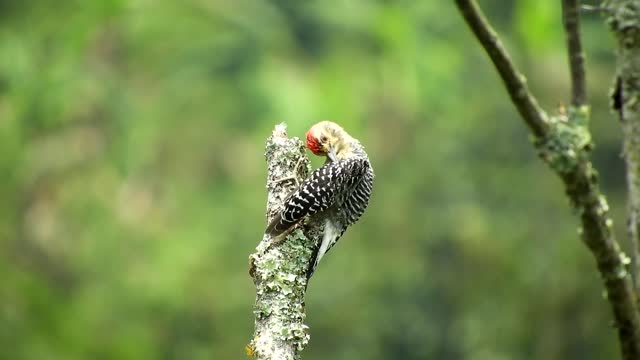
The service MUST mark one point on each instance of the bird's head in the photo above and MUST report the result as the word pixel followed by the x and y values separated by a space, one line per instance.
pixel 329 139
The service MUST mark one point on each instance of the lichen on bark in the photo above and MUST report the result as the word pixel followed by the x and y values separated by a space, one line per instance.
pixel 567 141
pixel 279 269
pixel 624 22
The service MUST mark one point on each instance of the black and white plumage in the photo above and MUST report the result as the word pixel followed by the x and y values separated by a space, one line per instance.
pixel 338 192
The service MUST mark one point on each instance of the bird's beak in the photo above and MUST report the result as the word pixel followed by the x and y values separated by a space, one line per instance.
pixel 332 154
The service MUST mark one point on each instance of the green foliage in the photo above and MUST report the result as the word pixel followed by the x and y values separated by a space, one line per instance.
pixel 132 172
pixel 538 23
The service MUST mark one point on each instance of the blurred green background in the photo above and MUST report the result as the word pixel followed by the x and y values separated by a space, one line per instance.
pixel 132 173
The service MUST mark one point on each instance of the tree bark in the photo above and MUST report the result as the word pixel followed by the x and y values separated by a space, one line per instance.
pixel 563 141
pixel 279 270
pixel 624 21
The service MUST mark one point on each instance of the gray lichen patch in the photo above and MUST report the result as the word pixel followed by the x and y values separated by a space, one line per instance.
pixel 287 163
pixel 567 142
pixel 281 285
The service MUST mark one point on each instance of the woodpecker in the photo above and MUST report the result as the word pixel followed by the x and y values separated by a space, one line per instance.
pixel 338 192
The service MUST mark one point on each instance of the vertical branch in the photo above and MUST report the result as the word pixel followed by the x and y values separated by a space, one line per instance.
pixel 563 142
pixel 571 22
pixel 624 21
pixel 279 270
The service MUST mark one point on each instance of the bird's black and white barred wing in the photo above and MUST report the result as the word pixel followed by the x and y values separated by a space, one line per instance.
pixel 317 193
pixel 352 204
pixel 358 199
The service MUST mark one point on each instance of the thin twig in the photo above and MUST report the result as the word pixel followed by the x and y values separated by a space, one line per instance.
pixel 571 22
pixel 515 82
pixel 595 8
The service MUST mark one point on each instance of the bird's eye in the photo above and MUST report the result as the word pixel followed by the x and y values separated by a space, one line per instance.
pixel 323 138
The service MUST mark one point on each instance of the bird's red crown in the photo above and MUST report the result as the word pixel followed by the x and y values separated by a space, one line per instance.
pixel 313 144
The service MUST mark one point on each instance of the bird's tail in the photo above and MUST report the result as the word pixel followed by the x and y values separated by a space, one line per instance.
pixel 329 238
